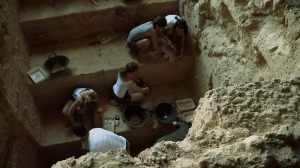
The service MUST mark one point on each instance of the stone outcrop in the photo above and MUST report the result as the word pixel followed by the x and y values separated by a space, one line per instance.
pixel 237 41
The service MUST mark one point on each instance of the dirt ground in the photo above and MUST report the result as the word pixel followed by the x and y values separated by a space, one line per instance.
pixel 243 63
pixel 248 118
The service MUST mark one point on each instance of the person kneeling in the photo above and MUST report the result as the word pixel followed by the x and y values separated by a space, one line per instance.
pixel 126 90
pixel 101 140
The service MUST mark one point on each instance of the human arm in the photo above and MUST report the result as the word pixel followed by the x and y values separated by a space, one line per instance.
pixel 167 41
pixel 152 33
pixel 138 81
pixel 134 88
pixel 72 110
pixel 181 47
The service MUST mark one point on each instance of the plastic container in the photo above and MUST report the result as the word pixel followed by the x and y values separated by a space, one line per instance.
pixel 117 120
pixel 165 113
pixel 185 104
pixel 37 74
pixel 109 123
pixel 188 116
pixel 136 112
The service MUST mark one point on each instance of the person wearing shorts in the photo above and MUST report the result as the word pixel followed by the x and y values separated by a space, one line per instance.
pixel 125 90
pixel 139 37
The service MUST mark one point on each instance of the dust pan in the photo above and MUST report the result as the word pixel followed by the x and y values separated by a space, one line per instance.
pixel 37 74
pixel 185 104
pixel 109 123
pixel 106 36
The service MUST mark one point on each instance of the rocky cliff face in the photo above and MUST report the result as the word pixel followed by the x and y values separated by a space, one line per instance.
pixel 239 123
pixel 19 120
pixel 237 41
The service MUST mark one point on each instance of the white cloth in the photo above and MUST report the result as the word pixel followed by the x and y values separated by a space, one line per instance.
pixel 76 93
pixel 120 88
pixel 101 140
pixel 171 20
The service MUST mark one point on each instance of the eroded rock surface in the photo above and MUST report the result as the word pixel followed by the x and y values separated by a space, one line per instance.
pixel 238 41
pixel 248 125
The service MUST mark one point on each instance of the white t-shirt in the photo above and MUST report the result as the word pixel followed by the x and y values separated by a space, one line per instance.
pixel 101 140
pixel 120 88
pixel 171 20
pixel 76 93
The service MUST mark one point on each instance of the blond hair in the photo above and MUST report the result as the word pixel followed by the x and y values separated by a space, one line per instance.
pixel 91 101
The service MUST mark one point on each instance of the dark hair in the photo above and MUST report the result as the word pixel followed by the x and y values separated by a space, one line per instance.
pixel 180 23
pixel 79 129
pixel 129 68
pixel 159 21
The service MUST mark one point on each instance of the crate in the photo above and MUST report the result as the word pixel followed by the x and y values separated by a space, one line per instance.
pixel 185 104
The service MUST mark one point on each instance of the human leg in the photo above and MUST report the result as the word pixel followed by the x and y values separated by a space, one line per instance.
pixel 135 97
pixel 142 45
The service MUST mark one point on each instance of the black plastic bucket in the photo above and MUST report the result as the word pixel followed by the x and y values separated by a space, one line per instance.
pixel 165 113
pixel 133 114
pixel 56 63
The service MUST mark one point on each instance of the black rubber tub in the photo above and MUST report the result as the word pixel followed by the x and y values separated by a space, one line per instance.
pixel 165 113
pixel 135 116
pixel 56 63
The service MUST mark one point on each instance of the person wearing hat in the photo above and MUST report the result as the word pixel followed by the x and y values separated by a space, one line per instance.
pixel 176 31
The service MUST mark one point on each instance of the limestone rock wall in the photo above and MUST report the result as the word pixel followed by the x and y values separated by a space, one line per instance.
pixel 236 41
pixel 17 147
pixel 19 120
pixel 14 67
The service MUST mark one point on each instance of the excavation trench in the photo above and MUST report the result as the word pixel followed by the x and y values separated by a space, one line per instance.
pixel 228 43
